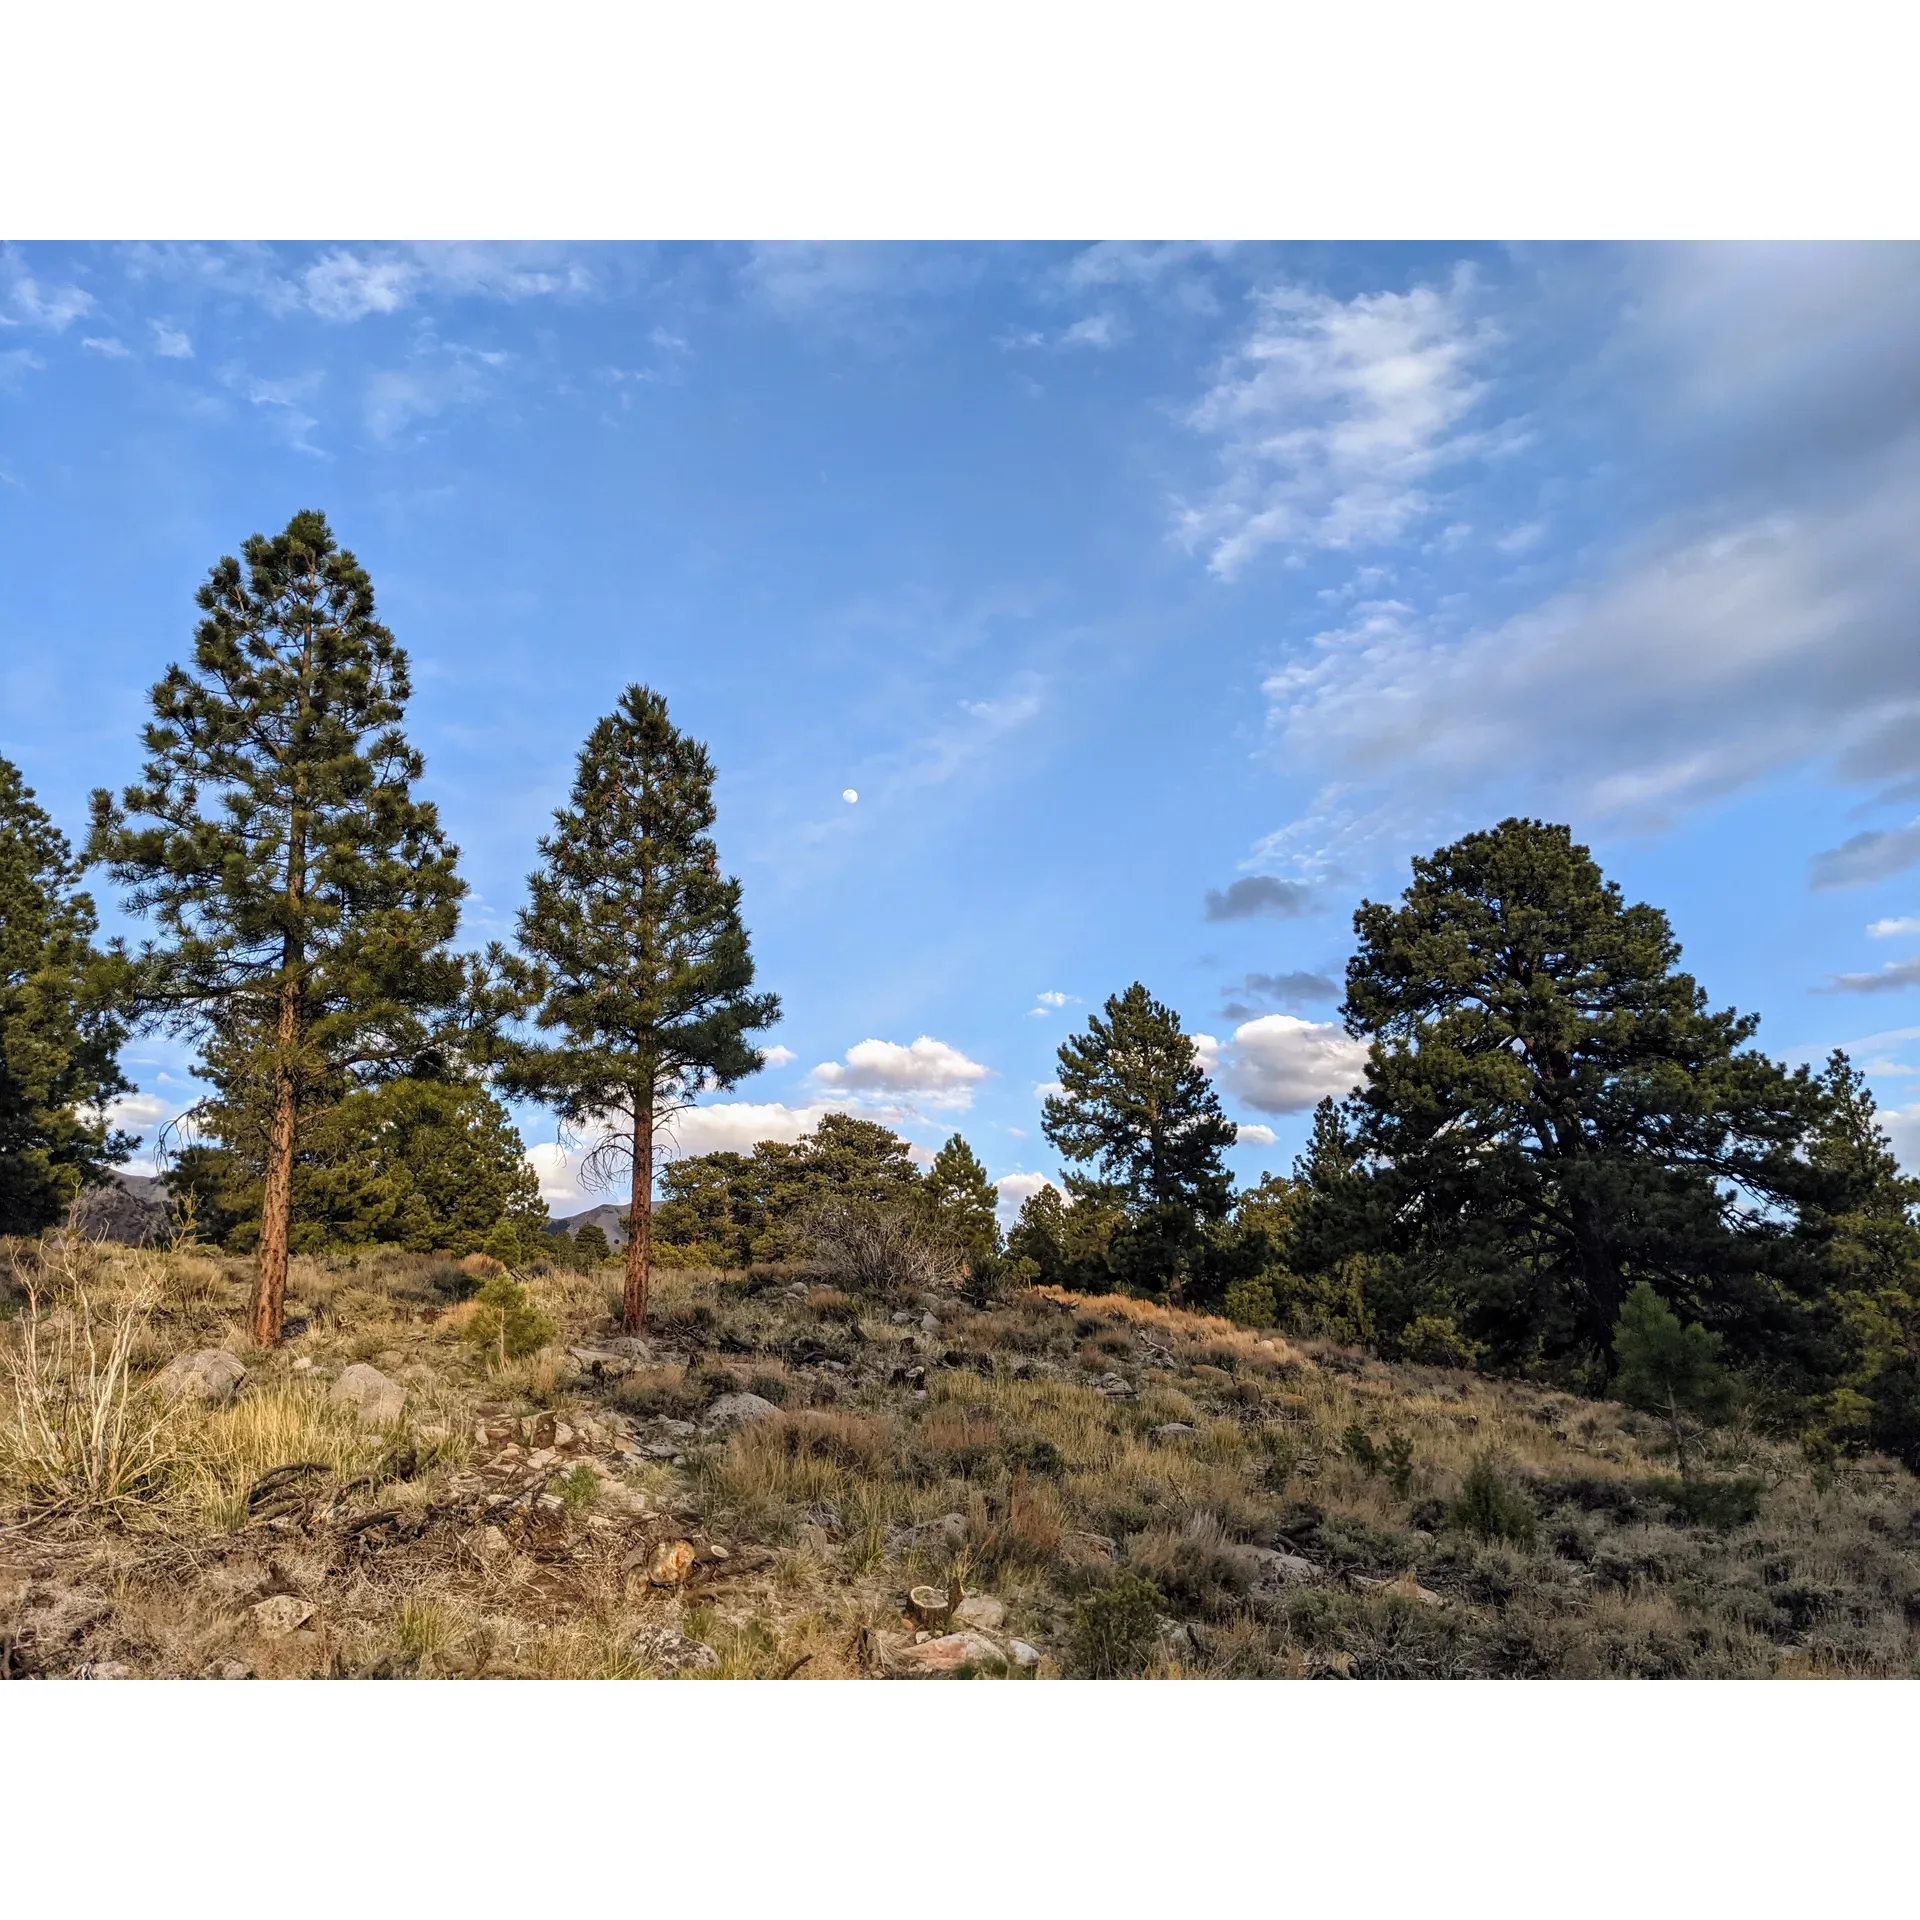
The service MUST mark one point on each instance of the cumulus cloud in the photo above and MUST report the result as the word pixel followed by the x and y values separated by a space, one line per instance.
pixel 1334 415
pixel 1887 929
pixel 778 1056
pixel 1280 1063
pixel 136 1112
pixel 1016 1189
pixel 1258 894
pixel 1252 1133
pixel 928 1073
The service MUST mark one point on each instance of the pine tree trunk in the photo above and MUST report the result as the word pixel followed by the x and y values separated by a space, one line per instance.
pixel 633 1312
pixel 276 1203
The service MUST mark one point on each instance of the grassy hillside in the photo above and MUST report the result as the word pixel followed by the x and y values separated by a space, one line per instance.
pixel 606 1508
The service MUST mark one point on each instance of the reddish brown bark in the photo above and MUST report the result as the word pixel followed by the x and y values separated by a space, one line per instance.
pixel 633 1306
pixel 270 1284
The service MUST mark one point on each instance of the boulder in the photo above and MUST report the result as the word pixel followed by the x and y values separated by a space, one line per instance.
pixel 1022 1655
pixel 1172 1431
pixel 211 1376
pixel 369 1393
pixel 280 1615
pixel 981 1611
pixel 668 1650
pixel 1116 1386
pixel 735 1410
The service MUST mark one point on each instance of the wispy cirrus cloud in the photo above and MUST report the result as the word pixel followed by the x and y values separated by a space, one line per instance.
pixel 1334 417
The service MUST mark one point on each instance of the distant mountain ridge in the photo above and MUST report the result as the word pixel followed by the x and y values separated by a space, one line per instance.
pixel 611 1220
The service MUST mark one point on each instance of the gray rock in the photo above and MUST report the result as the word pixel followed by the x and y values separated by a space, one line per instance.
pixel 212 1375
pixel 1115 1386
pixel 901 1319
pixel 668 1650
pixel 679 1429
pixel 733 1410
pixel 981 1611
pixel 1274 1572
pixel 1173 1430
pixel 103 1670
pixel 377 1400
pixel 279 1616
pixel 929 1323
pixel 1022 1654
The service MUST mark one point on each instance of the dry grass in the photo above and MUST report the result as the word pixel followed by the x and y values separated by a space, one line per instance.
pixel 998 1448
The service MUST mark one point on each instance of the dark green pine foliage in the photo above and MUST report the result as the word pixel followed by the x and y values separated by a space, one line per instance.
pixel 961 1202
pixel 634 957
pixel 1667 1368
pixel 435 1166
pixel 1552 1113
pixel 1135 1103
pixel 1864 1218
pixel 305 895
pixel 59 1032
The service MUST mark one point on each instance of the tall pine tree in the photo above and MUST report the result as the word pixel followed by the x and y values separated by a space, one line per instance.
pixel 305 896
pixel 634 955
pixel 961 1201
pixel 1135 1102
pixel 59 1033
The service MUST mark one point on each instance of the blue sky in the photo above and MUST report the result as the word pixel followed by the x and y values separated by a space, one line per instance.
pixel 1157 601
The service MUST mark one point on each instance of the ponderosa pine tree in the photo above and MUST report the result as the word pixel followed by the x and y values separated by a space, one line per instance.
pixel 635 956
pixel 59 1033
pixel 1135 1102
pixel 961 1202
pixel 305 895
pixel 1552 1113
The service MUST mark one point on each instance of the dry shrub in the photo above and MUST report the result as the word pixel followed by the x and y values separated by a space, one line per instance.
pixel 650 1392
pixel 1196 1566
pixel 79 1432
pixel 882 1252
pixel 851 1440
pixel 955 1438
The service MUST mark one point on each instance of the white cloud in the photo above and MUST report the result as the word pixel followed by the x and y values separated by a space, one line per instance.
pixel 1888 929
pixel 1097 330
pixel 136 1112
pixel 928 1073
pixel 738 1126
pixel 1053 999
pixel 1251 1132
pixel 286 399
pixel 1046 1089
pixel 1282 1064
pixel 169 342
pixel 343 286
pixel 107 347
pixel 778 1056
pixel 15 362
pixel 1903 1129
pixel 28 303
pixel 1333 416
pixel 559 1174
pixel 1015 1189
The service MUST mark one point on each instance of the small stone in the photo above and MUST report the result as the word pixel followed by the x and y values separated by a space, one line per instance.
pixel 901 1319
pixel 929 1323
pixel 280 1615
pixel 982 1611
pixel 377 1400
pixel 563 1435
pixel 551 1501
pixel 1276 1569
pixel 1115 1386
pixel 672 1562
pixel 540 1459
pixel 1023 1655
pixel 679 1429
pixel 303 1364
pixel 1173 1430
pixel 735 1410
pixel 211 1376
pixel 490 1541
pixel 233 1670
pixel 103 1670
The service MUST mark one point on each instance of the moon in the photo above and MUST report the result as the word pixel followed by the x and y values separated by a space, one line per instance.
pixel 849 796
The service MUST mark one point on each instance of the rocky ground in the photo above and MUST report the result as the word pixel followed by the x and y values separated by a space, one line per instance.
pixel 781 1480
